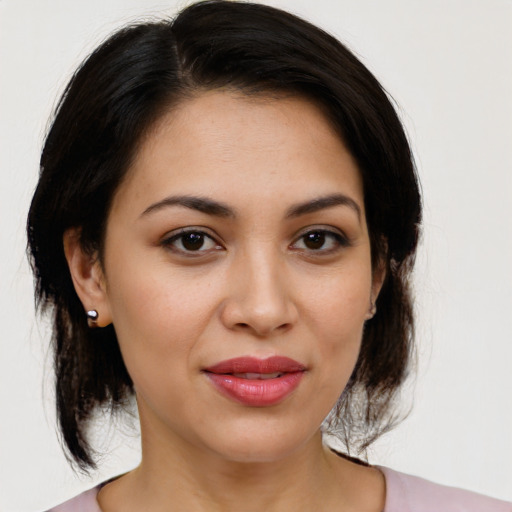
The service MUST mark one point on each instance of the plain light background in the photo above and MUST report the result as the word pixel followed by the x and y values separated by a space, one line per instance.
pixel 448 64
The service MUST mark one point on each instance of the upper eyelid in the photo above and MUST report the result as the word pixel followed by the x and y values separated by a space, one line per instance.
pixel 323 228
pixel 175 234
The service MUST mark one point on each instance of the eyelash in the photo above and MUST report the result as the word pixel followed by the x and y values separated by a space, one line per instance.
pixel 339 240
pixel 170 242
pixel 318 235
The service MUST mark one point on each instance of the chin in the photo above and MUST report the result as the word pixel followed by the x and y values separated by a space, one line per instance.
pixel 263 444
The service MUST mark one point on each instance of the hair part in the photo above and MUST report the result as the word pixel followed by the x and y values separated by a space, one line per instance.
pixel 117 95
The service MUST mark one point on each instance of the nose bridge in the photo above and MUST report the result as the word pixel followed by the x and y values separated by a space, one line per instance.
pixel 260 299
pixel 264 270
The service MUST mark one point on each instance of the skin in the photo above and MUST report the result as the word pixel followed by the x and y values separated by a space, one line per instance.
pixel 256 287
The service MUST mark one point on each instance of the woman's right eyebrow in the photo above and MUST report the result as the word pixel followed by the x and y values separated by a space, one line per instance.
pixel 201 204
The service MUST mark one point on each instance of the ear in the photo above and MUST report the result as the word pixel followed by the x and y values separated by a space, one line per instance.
pixel 88 277
pixel 378 277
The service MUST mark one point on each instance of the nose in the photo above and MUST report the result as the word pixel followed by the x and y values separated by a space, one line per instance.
pixel 259 299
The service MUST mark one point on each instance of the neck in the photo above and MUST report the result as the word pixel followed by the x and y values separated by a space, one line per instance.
pixel 199 480
pixel 185 477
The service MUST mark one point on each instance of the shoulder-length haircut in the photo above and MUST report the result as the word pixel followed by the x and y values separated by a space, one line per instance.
pixel 115 97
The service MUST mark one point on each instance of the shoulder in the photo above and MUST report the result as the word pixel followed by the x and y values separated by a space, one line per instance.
pixel 85 502
pixel 406 493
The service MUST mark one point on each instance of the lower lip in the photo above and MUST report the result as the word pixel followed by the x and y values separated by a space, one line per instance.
pixel 256 393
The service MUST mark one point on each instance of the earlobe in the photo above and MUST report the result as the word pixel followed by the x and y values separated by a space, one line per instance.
pixel 371 310
pixel 88 278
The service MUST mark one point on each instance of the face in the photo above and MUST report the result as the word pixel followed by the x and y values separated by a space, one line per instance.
pixel 237 274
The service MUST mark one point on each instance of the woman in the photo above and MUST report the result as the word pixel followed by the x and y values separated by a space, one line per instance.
pixel 225 225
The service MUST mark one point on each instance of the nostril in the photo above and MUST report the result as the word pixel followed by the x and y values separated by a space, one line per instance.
pixel 260 317
pixel 263 330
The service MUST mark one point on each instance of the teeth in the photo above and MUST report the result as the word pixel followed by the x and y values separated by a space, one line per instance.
pixel 257 376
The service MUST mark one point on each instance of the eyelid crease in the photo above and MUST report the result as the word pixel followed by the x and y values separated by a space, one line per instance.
pixel 190 229
pixel 327 229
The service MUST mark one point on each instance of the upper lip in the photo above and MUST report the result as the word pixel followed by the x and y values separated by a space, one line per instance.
pixel 249 364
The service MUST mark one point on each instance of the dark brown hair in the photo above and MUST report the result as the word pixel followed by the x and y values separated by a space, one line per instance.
pixel 116 96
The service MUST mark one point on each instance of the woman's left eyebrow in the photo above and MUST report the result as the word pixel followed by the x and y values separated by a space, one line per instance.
pixel 321 203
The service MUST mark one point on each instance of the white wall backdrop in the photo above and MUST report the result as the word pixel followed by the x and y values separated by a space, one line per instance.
pixel 448 64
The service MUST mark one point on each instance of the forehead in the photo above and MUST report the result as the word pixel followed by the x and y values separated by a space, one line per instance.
pixel 225 143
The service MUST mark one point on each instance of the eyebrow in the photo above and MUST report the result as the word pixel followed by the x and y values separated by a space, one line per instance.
pixel 218 209
pixel 321 203
pixel 201 204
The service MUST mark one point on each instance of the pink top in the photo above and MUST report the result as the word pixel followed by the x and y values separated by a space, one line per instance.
pixel 404 493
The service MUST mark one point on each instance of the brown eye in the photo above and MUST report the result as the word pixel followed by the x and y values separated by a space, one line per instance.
pixel 192 241
pixel 314 240
pixel 321 241
pixel 187 242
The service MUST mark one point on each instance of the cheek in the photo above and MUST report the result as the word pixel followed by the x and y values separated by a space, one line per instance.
pixel 157 319
pixel 340 304
pixel 149 296
pixel 338 312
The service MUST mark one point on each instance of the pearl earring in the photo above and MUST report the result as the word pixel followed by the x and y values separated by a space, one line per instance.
pixel 92 317
pixel 371 311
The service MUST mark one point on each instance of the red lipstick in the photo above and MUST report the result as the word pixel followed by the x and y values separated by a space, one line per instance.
pixel 256 382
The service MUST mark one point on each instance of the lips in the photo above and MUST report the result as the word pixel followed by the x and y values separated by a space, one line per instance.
pixel 256 382
pixel 258 376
